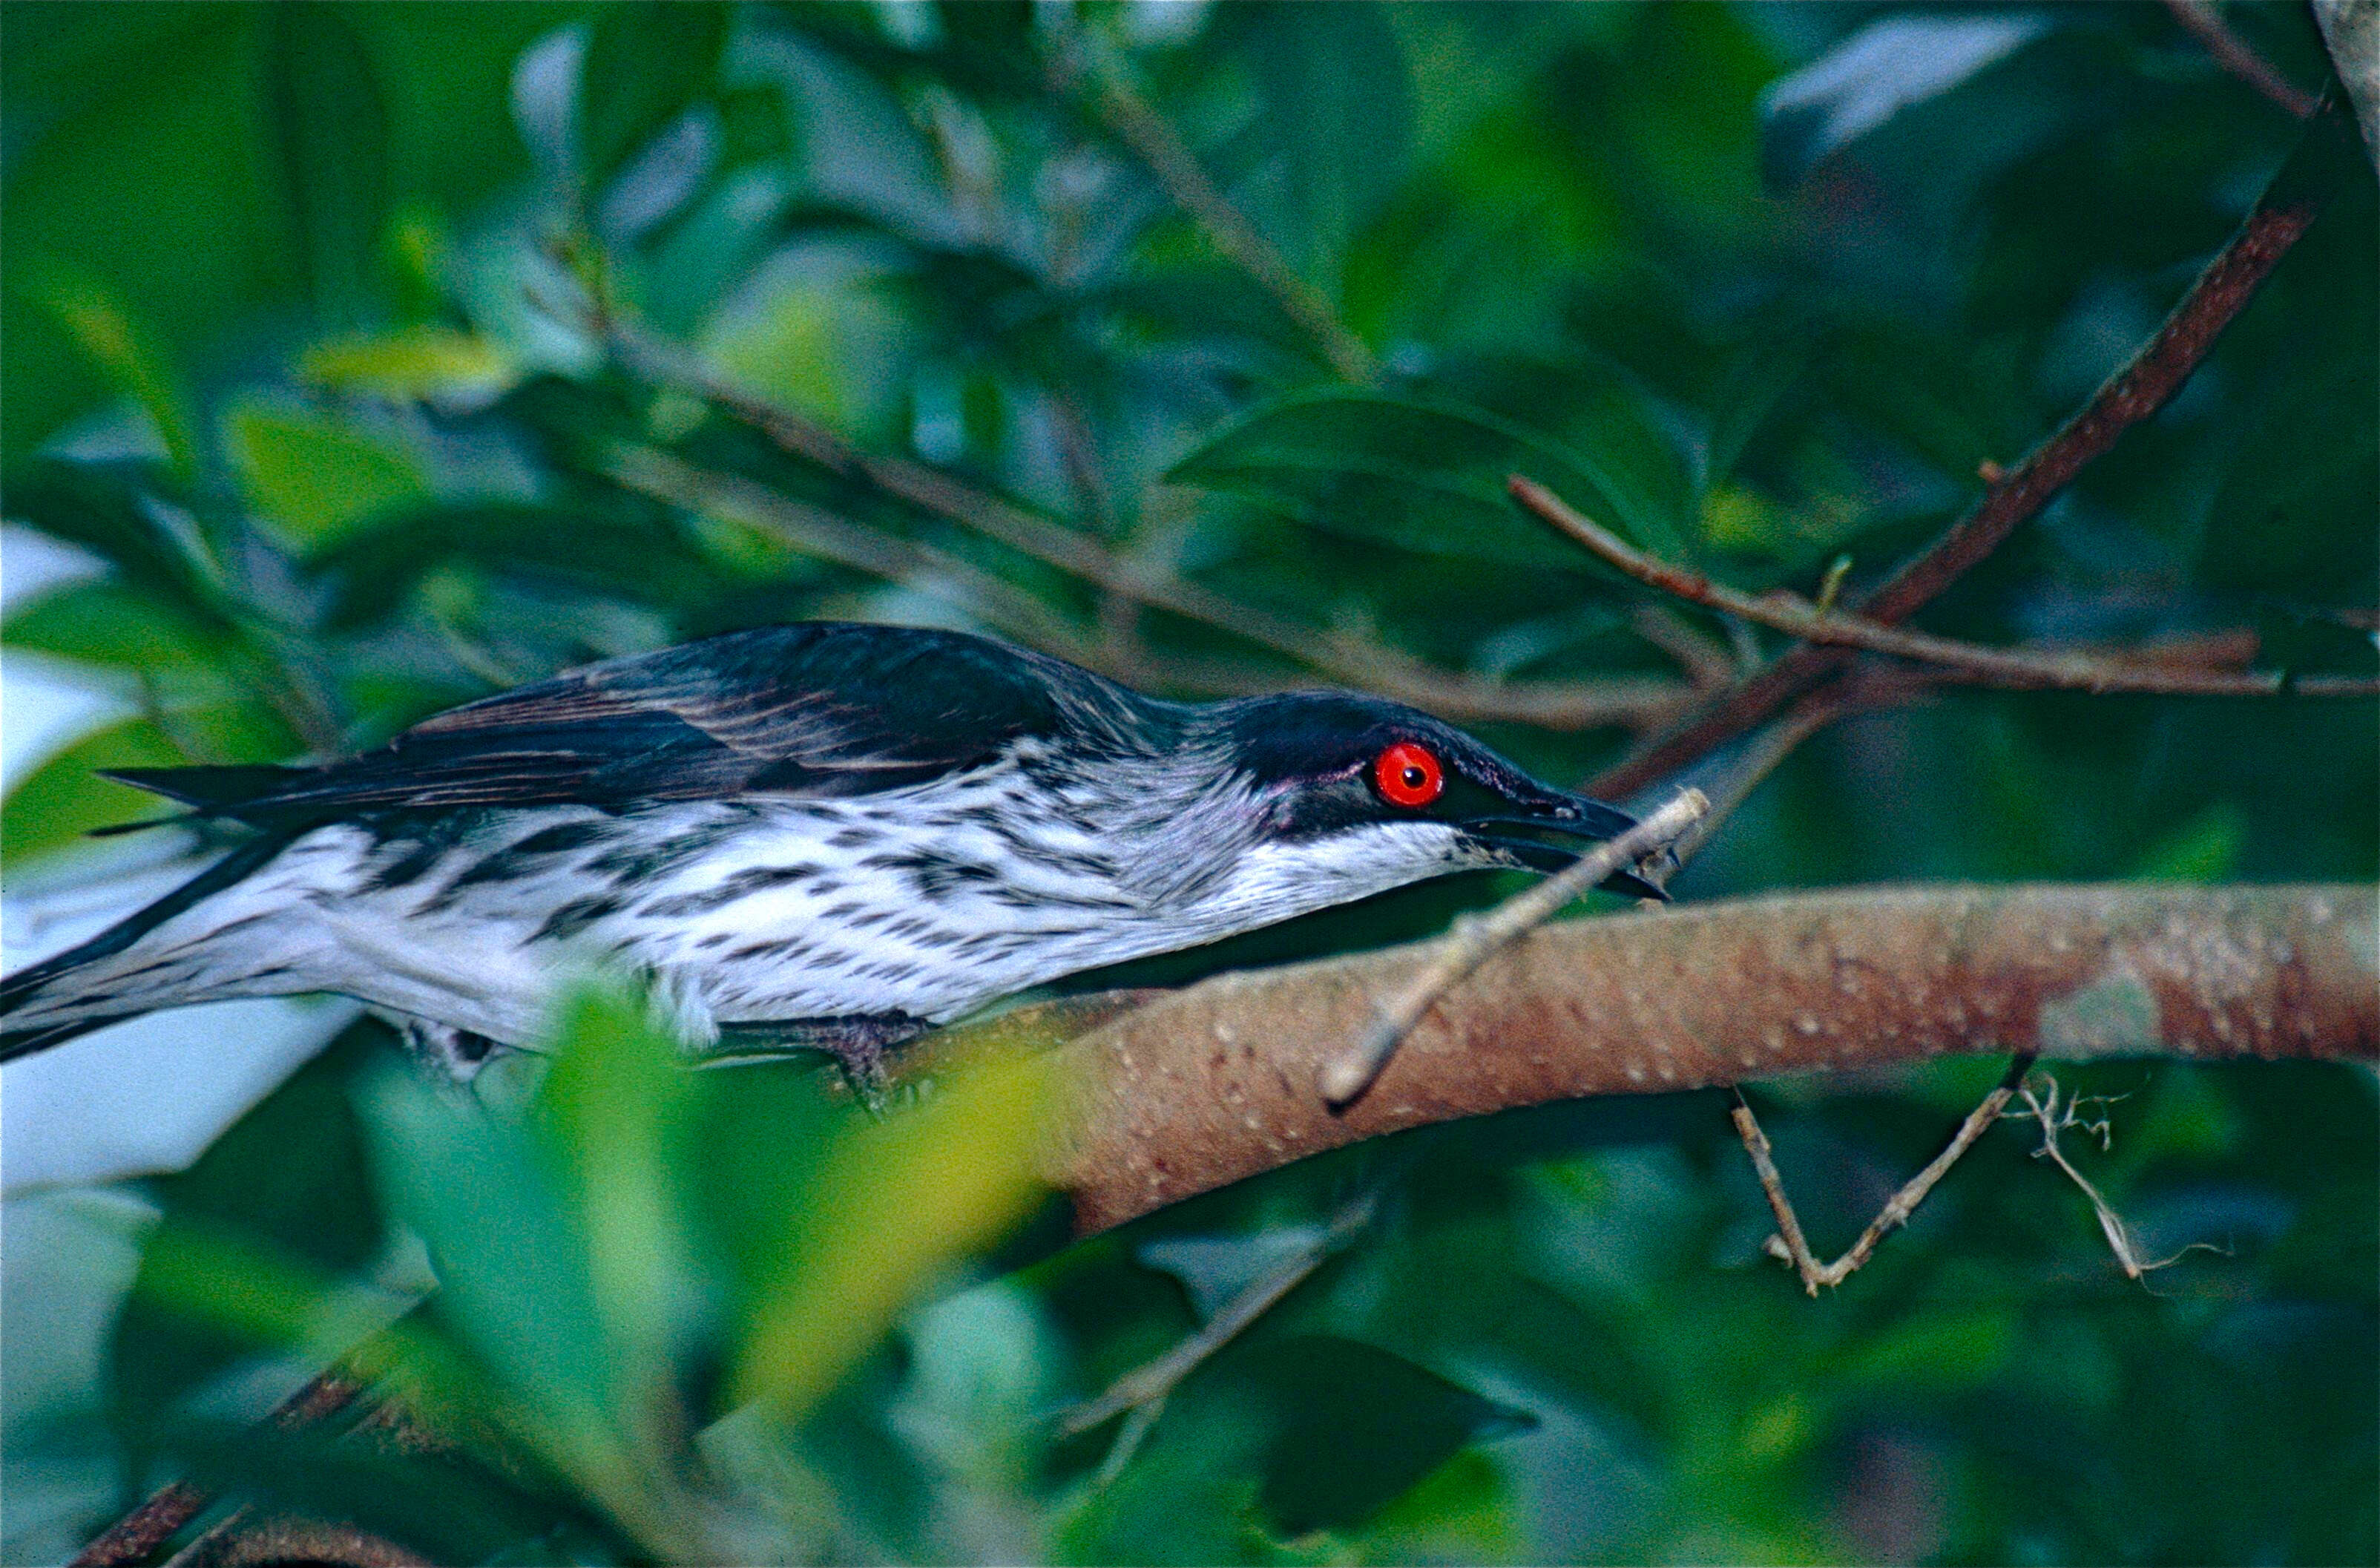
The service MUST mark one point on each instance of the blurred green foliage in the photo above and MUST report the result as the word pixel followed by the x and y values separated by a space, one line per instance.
pixel 300 335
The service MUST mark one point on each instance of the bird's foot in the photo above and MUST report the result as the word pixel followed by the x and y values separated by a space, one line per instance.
pixel 861 1045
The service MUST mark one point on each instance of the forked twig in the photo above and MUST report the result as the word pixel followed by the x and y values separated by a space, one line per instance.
pixel 2127 670
pixel 1475 939
pixel 1791 1247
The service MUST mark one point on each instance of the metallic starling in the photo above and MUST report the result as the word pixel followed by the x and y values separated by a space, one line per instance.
pixel 829 834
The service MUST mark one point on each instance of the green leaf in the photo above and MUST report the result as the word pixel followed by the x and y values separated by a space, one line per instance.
pixel 110 623
pixel 1427 477
pixel 288 1176
pixel 1338 111
pixel 418 363
pixel 647 63
pixel 886 1204
pixel 329 122
pixel 98 322
pixel 320 481
pixel 1872 75
pixel 107 510
pixel 510 1255
pixel 64 797
pixel 1359 1426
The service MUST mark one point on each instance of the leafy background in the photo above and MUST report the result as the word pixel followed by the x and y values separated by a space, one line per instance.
pixel 302 348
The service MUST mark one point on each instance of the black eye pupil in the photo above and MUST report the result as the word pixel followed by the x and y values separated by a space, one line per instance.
pixel 1415 777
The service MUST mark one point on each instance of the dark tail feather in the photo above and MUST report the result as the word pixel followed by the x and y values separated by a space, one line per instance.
pixel 27 984
pixel 209 789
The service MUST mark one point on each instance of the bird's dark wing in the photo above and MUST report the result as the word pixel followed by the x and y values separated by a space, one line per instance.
pixel 817 709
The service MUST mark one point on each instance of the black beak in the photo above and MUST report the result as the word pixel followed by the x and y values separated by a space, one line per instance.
pixel 1521 839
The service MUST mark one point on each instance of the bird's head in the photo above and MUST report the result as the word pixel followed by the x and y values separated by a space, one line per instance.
pixel 1370 795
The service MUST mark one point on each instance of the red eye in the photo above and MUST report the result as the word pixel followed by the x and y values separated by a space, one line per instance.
pixel 1408 775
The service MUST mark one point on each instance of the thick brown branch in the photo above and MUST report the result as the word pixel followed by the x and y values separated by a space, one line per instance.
pixel 2133 394
pixel 2019 669
pixel 1208 1084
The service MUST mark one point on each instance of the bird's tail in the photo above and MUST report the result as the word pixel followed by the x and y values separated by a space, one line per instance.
pixel 110 977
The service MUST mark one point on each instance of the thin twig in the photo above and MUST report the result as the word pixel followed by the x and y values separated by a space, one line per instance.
pixel 1145 1387
pixel 1857 693
pixel 1475 939
pixel 1791 1247
pixel 2056 1118
pixel 136 1536
pixel 2137 391
pixel 817 532
pixel 1134 121
pixel 1554 705
pixel 2204 23
pixel 1951 660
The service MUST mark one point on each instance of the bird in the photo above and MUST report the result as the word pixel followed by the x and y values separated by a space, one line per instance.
pixel 831 835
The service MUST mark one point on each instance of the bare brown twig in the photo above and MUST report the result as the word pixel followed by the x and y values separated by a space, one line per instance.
pixel 135 1536
pixel 1475 939
pixel 2018 669
pixel 2206 23
pixel 2055 1117
pixel 1788 1243
pixel 2014 496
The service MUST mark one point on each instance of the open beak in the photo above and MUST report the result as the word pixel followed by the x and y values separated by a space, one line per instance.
pixel 1550 840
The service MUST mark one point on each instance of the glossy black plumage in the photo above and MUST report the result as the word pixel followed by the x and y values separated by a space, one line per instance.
pixel 824 710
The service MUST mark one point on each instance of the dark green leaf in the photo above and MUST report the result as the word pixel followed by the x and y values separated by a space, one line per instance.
pixel 330 122
pixel 1422 475
pixel 647 63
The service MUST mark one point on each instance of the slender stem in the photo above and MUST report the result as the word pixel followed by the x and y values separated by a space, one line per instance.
pixel 2013 497
pixel 1554 705
pixel 1344 1078
pixel 1790 1244
pixel 2018 669
pixel 1134 121
pixel 2204 23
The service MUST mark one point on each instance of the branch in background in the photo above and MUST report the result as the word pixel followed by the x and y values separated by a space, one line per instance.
pixel 1214 1083
pixel 2133 395
pixel 136 1536
pixel 1143 1390
pixel 2204 23
pixel 1132 120
pixel 814 530
pixel 1951 660
pixel 1553 705
pixel 1475 939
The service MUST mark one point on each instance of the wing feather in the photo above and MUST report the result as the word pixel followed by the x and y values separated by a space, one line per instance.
pixel 817 710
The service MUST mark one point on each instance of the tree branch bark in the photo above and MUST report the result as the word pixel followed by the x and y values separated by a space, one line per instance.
pixel 1215 1083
